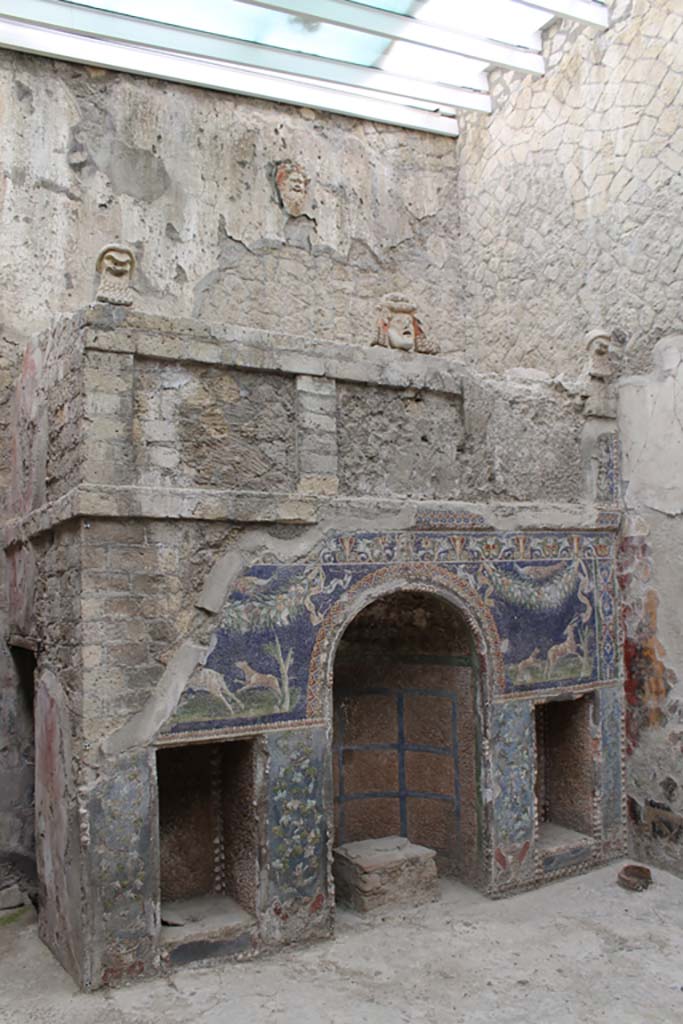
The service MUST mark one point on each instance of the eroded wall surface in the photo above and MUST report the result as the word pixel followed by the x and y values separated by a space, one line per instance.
pixel 651 572
pixel 571 194
pixel 187 177
pixel 571 205
pixel 560 212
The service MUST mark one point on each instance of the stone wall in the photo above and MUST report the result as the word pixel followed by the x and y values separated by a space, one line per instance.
pixel 570 200
pixel 560 212
pixel 167 611
pixel 186 176
pixel 570 196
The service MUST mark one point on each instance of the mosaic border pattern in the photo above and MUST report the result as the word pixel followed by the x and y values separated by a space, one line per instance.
pixel 509 586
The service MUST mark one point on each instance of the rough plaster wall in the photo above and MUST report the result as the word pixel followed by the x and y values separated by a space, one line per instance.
pixel 205 427
pixel 651 575
pixel 571 196
pixel 522 441
pixel 399 442
pixel 186 176
pixel 516 439
pixel 58 841
pixel 17 749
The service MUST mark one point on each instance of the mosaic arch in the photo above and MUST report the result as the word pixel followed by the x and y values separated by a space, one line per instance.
pixel 390 580
pixel 427 784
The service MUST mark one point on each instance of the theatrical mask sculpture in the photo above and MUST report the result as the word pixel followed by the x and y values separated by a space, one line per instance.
pixel 115 265
pixel 603 360
pixel 398 326
pixel 292 186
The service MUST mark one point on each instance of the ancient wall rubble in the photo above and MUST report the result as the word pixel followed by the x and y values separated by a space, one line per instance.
pixel 158 454
pixel 206 606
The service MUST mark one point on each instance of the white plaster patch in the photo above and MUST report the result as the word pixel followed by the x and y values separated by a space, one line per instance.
pixel 651 424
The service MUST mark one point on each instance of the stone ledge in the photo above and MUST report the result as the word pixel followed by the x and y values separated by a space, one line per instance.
pixel 163 503
pixel 153 337
pixel 302 508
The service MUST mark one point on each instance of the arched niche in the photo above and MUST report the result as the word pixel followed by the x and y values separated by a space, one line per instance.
pixel 409 667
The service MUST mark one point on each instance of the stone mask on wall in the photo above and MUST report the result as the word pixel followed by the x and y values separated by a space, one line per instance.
pixel 115 265
pixel 398 326
pixel 292 186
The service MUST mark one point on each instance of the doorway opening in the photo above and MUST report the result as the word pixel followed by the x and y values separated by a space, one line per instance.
pixel 407 731
pixel 208 842
pixel 24 741
pixel 564 771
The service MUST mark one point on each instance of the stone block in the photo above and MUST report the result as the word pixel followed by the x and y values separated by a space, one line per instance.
pixel 318 483
pixel 382 872
pixel 315 385
pixel 11 897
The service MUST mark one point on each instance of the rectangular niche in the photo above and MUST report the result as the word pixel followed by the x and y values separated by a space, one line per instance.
pixel 564 771
pixel 208 838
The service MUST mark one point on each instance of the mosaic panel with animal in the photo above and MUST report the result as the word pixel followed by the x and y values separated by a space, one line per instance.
pixel 551 598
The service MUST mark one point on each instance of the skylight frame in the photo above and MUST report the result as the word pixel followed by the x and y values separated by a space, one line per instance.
pixel 142 45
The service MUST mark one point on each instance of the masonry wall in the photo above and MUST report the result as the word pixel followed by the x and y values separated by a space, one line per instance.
pixel 560 212
pixel 571 214
pixel 186 177
pixel 570 196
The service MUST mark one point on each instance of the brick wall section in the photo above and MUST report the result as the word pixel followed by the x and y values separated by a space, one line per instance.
pixel 316 439
pixel 58 610
pixel 139 582
pixel 65 409
pixel 207 427
pixel 108 379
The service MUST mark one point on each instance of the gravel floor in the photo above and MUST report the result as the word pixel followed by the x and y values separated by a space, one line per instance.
pixel 579 950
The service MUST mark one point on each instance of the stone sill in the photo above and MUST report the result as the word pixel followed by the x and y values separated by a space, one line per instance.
pixel 115 329
pixel 346 512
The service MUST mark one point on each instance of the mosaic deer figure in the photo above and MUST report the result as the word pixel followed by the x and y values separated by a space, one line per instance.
pixel 213 683
pixel 523 668
pixel 566 647
pixel 257 680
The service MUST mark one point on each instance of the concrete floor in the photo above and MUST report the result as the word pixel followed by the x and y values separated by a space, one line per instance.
pixel 580 950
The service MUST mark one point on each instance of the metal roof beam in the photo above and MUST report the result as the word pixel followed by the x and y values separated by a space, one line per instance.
pixel 211 74
pixel 408 30
pixel 587 11
pixel 95 23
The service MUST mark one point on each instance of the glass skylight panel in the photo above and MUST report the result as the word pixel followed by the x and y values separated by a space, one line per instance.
pixel 396 6
pixel 405 62
pixel 236 20
pixel 503 20
pixel 434 65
